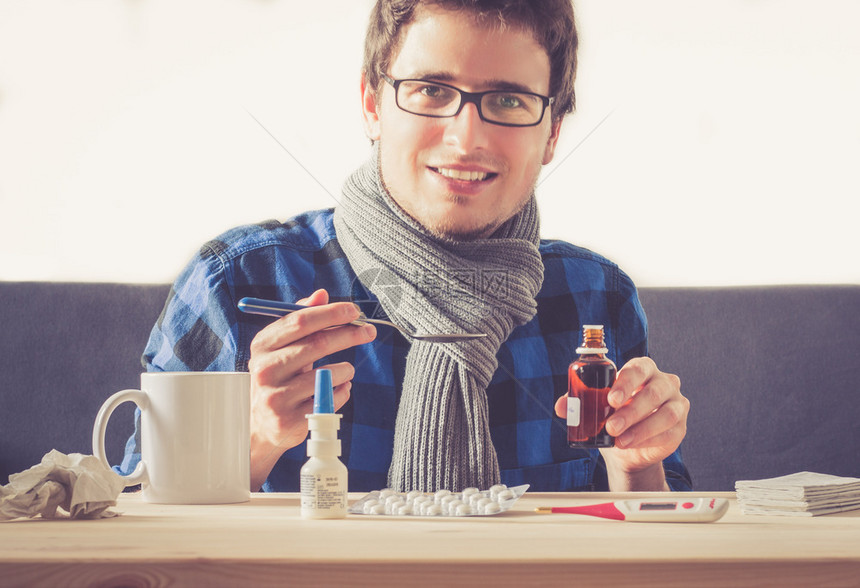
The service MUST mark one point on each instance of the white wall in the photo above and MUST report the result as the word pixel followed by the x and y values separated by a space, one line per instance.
pixel 729 155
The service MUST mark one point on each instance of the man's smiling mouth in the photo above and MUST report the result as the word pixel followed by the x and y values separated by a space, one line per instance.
pixel 462 175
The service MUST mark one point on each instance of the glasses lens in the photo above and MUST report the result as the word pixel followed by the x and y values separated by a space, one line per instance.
pixel 434 99
pixel 421 97
pixel 512 108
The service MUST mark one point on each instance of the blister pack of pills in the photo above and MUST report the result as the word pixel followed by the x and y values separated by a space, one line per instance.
pixel 442 503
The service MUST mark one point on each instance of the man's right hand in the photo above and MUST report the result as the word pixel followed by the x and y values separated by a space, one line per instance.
pixel 282 376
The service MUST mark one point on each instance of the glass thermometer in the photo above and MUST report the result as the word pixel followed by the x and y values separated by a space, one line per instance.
pixel 688 510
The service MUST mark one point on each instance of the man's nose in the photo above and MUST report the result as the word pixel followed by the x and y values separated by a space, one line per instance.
pixel 466 130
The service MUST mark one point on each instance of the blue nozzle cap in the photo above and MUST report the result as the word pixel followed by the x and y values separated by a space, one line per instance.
pixel 323 397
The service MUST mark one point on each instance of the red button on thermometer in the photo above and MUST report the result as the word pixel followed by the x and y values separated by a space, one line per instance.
pixel 690 510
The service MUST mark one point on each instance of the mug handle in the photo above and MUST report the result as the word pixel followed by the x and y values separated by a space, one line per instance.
pixel 140 398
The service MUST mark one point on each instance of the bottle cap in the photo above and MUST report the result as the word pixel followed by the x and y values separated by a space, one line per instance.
pixel 591 340
pixel 323 396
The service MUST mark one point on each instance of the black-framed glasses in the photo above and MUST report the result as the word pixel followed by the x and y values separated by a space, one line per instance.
pixel 499 107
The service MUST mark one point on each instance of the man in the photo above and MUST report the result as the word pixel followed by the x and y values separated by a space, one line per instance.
pixel 438 232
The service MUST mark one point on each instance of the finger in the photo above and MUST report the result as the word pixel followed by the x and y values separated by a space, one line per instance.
pixel 341 373
pixel 301 323
pixel 658 389
pixel 277 414
pixel 318 298
pixel 630 378
pixel 666 442
pixel 324 343
pixel 274 367
pixel 670 416
pixel 644 402
pixel 289 410
pixel 299 391
pixel 561 407
pixel 341 395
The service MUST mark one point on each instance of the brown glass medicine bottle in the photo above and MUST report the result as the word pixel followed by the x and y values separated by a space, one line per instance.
pixel 589 379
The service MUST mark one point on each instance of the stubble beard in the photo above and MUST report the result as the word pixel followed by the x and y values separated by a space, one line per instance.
pixel 443 228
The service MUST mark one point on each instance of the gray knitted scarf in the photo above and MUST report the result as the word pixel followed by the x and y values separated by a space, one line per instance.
pixel 433 285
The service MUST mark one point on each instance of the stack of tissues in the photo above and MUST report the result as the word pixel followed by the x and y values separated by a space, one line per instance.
pixel 78 484
pixel 804 494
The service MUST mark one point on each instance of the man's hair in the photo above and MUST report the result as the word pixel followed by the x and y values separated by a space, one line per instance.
pixel 550 21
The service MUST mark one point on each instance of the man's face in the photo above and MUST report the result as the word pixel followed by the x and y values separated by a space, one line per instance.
pixel 460 176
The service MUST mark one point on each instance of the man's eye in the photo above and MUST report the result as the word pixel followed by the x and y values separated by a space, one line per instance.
pixel 434 91
pixel 509 101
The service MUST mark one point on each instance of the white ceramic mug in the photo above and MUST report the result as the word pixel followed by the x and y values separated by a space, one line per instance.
pixel 194 433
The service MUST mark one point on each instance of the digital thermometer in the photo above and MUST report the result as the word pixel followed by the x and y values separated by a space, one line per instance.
pixel 687 510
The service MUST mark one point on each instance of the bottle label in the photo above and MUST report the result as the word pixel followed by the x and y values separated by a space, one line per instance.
pixel 573 411
pixel 322 491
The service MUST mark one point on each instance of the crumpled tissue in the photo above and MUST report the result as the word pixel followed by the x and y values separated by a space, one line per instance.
pixel 79 484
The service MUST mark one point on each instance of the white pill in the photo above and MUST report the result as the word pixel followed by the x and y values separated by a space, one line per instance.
pixel 468 492
pixel 480 504
pixel 405 509
pixel 463 510
pixel 475 498
pixel 505 495
pixel 377 509
pixel 491 508
pixel 432 510
pixel 391 507
pixel 440 494
pixel 369 505
pixel 422 500
pixel 494 490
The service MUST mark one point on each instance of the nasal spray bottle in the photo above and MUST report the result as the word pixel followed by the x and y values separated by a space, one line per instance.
pixel 323 477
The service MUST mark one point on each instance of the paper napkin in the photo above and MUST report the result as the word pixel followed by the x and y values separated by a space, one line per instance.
pixel 801 494
pixel 79 484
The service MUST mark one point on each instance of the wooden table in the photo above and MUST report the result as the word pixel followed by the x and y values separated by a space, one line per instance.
pixel 265 541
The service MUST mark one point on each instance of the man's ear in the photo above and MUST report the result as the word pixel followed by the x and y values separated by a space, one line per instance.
pixel 549 151
pixel 369 109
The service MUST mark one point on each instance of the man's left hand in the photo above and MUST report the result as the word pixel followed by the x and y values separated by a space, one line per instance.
pixel 649 422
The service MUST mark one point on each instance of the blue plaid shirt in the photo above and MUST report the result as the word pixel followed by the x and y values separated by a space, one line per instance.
pixel 200 329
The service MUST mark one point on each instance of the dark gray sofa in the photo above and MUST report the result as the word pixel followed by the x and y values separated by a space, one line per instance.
pixel 769 372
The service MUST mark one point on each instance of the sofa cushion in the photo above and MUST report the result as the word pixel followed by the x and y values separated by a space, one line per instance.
pixel 769 374
pixel 767 371
pixel 64 348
